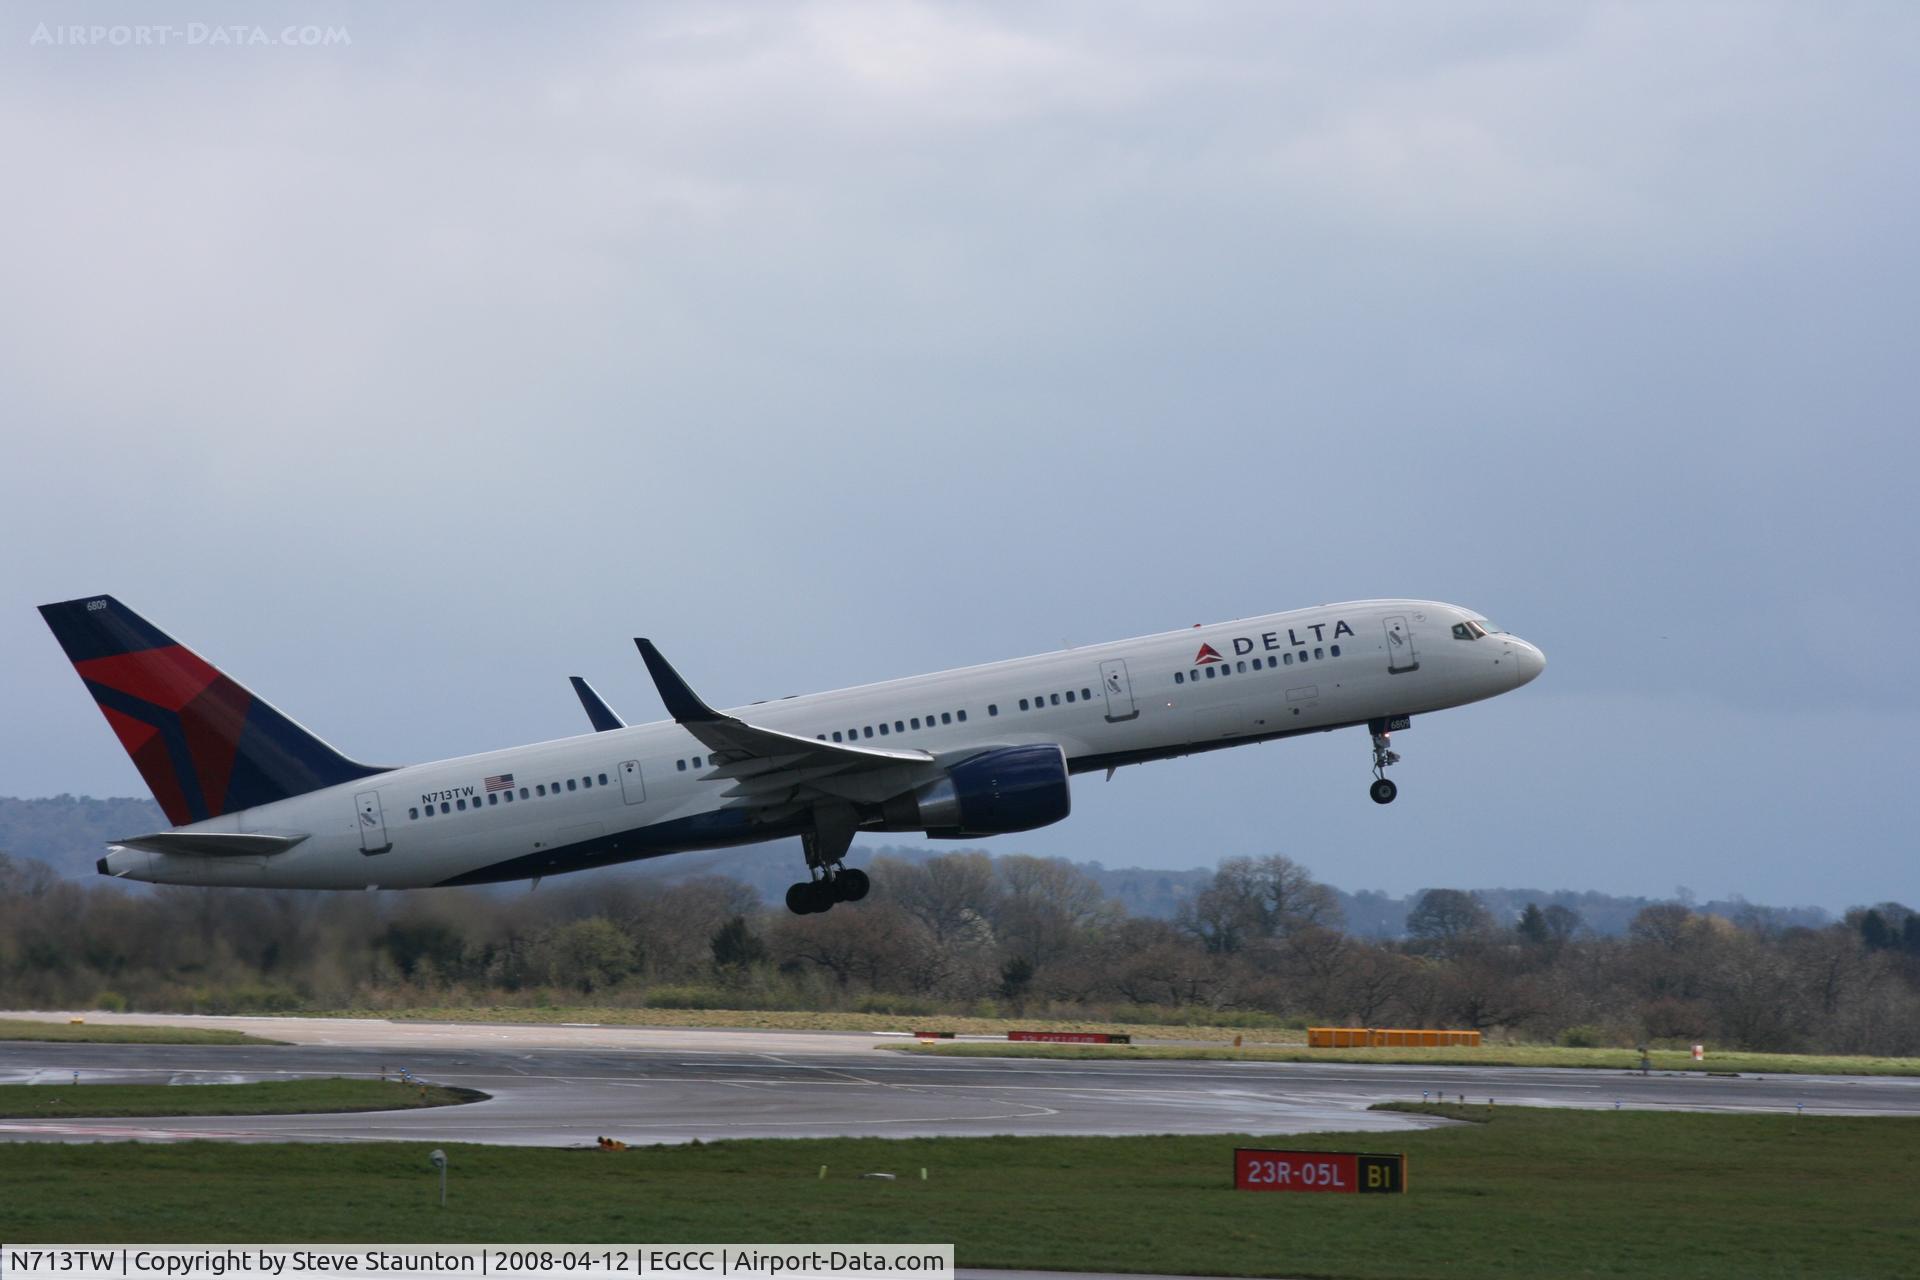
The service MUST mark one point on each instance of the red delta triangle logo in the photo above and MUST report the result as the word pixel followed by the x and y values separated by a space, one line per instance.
pixel 1207 654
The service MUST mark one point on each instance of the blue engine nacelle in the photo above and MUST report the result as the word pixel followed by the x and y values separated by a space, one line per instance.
pixel 996 792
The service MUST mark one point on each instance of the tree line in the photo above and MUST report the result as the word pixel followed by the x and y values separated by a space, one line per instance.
pixel 1262 942
pixel 67 832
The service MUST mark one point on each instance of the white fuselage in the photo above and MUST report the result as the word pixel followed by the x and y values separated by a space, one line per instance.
pixel 649 789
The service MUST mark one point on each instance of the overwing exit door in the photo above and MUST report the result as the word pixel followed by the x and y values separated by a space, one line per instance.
pixel 1119 690
pixel 1400 654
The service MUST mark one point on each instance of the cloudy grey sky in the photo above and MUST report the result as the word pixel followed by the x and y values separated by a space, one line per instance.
pixel 404 377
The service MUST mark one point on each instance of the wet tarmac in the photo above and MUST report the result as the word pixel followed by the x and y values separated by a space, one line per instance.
pixel 568 1085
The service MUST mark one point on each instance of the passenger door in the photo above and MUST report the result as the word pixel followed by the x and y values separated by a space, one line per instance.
pixel 1118 686
pixel 373 825
pixel 1400 652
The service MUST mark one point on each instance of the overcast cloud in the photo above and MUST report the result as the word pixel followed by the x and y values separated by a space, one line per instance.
pixel 406 376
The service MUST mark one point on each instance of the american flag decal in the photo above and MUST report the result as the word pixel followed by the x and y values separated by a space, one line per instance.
pixel 500 782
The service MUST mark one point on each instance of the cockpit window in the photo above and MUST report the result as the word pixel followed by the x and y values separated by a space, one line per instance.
pixel 1468 631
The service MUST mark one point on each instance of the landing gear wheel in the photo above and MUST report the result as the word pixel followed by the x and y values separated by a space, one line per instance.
pixel 810 897
pixel 1383 791
pixel 850 885
pixel 824 846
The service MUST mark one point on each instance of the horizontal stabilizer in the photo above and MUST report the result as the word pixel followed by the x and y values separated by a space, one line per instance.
pixel 211 844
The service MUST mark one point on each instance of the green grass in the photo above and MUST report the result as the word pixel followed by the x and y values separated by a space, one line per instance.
pixel 829 1020
pixel 121 1033
pixel 1528 1193
pixel 265 1098
pixel 1491 1055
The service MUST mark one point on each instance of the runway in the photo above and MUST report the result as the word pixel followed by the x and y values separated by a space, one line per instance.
pixel 566 1086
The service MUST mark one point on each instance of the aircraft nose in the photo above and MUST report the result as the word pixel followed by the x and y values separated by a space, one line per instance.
pixel 1530 660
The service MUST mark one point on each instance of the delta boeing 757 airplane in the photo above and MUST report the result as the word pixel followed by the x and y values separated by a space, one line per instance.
pixel 256 799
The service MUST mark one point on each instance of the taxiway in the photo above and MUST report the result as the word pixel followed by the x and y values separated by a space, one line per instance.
pixel 568 1085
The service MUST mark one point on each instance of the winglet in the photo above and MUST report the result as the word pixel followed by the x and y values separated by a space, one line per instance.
pixel 683 704
pixel 598 711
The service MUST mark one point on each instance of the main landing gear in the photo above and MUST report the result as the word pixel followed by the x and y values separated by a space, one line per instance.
pixel 829 881
pixel 838 884
pixel 1383 791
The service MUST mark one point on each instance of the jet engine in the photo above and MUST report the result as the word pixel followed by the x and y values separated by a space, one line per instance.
pixel 1001 790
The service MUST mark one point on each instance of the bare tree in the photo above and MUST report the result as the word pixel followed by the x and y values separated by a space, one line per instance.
pixel 879 946
pixel 1364 987
pixel 1445 921
pixel 1043 906
pixel 1667 925
pixel 951 895
pixel 1249 899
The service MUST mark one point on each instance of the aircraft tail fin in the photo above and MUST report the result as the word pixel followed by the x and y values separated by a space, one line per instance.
pixel 205 745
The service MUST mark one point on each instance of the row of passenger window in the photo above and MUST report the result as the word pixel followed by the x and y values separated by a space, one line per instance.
pixel 1269 663
pixel 904 726
pixel 913 723
pixel 1035 703
pixel 539 790
pixel 1053 699
pixel 883 729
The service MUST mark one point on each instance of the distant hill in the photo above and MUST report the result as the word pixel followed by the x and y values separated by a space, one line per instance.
pixel 1372 914
pixel 69 833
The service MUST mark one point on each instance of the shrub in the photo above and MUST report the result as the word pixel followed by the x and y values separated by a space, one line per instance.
pixel 708 997
pixel 898 1006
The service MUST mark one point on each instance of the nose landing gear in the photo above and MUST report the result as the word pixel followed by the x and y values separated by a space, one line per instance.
pixel 1383 790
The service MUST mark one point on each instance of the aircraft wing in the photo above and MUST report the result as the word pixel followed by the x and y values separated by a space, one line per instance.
pixel 771 768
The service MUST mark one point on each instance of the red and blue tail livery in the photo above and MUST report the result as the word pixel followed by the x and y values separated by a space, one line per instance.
pixel 205 745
